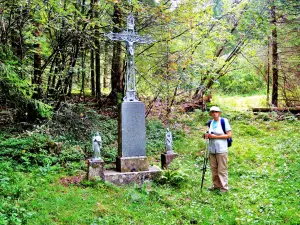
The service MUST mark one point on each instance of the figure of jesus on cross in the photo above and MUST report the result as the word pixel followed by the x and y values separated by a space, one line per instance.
pixel 130 37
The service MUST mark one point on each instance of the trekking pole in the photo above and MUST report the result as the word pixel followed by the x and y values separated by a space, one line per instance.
pixel 205 160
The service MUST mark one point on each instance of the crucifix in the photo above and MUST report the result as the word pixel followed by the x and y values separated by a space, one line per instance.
pixel 130 37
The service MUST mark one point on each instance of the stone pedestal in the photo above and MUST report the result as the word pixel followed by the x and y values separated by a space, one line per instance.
pixel 123 178
pixel 166 159
pixel 95 169
pixel 132 138
pixel 132 164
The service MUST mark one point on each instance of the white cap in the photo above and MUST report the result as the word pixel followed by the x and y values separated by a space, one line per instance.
pixel 215 108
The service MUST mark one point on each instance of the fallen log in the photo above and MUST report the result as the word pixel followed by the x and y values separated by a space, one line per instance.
pixel 197 102
pixel 191 106
pixel 294 110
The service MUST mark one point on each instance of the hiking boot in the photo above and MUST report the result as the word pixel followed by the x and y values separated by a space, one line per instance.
pixel 223 191
pixel 212 188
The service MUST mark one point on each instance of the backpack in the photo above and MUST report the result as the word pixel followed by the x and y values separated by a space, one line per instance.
pixel 229 140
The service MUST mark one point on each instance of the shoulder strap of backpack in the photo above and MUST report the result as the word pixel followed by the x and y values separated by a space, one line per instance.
pixel 208 123
pixel 223 125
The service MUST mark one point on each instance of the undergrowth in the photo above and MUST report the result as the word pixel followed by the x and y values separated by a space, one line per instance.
pixel 263 177
pixel 67 138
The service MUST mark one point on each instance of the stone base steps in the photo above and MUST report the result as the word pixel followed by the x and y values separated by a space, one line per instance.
pixel 121 178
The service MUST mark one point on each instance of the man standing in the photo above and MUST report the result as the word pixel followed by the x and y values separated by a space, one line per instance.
pixel 218 133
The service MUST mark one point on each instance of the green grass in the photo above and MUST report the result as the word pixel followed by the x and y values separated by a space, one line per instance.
pixel 263 178
pixel 88 92
pixel 240 103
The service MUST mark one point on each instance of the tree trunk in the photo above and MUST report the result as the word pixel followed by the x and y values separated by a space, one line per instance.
pixel 69 79
pixel 37 64
pixel 92 59
pixel 17 44
pixel 82 93
pixel 105 69
pixel 83 55
pixel 49 77
pixel 51 91
pixel 70 84
pixel 117 85
pixel 97 58
pixel 274 100
pixel 268 73
pixel 17 40
pixel 92 73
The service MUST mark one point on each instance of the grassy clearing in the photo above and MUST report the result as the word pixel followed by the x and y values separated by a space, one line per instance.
pixel 263 178
pixel 239 103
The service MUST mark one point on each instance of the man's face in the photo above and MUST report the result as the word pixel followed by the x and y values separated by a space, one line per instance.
pixel 215 114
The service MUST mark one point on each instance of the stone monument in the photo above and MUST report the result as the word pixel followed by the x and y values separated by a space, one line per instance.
pixel 96 164
pixel 132 129
pixel 168 156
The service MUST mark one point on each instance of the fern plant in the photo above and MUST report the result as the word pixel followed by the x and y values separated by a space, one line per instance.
pixel 172 177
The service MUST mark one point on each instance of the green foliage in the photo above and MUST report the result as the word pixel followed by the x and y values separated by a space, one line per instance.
pixel 71 153
pixel 288 38
pixel 263 179
pixel 18 89
pixel 242 82
pixel 13 186
pixel 72 121
pixel 148 2
pixel 35 149
pixel 28 149
pixel 249 130
pixel 241 116
pixel 9 79
pixel 224 39
pixel 44 110
pixel 155 134
pixel 95 183
pixel 61 139
pixel 238 103
pixel 201 117
pixel 172 177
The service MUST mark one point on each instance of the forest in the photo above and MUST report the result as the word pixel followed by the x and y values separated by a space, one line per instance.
pixel 62 79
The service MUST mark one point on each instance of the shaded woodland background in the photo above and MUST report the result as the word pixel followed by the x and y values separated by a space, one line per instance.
pixel 51 50
pixel 61 81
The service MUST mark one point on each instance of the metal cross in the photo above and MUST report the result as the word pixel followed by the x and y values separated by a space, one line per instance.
pixel 130 37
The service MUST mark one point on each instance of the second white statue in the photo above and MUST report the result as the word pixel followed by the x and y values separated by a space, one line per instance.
pixel 97 145
pixel 169 142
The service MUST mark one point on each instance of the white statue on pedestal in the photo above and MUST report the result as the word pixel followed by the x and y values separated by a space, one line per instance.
pixel 169 142
pixel 97 145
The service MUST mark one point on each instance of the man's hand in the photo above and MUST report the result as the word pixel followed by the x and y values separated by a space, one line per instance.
pixel 211 136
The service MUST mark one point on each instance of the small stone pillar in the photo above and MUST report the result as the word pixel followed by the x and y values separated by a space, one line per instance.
pixel 166 159
pixel 95 169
